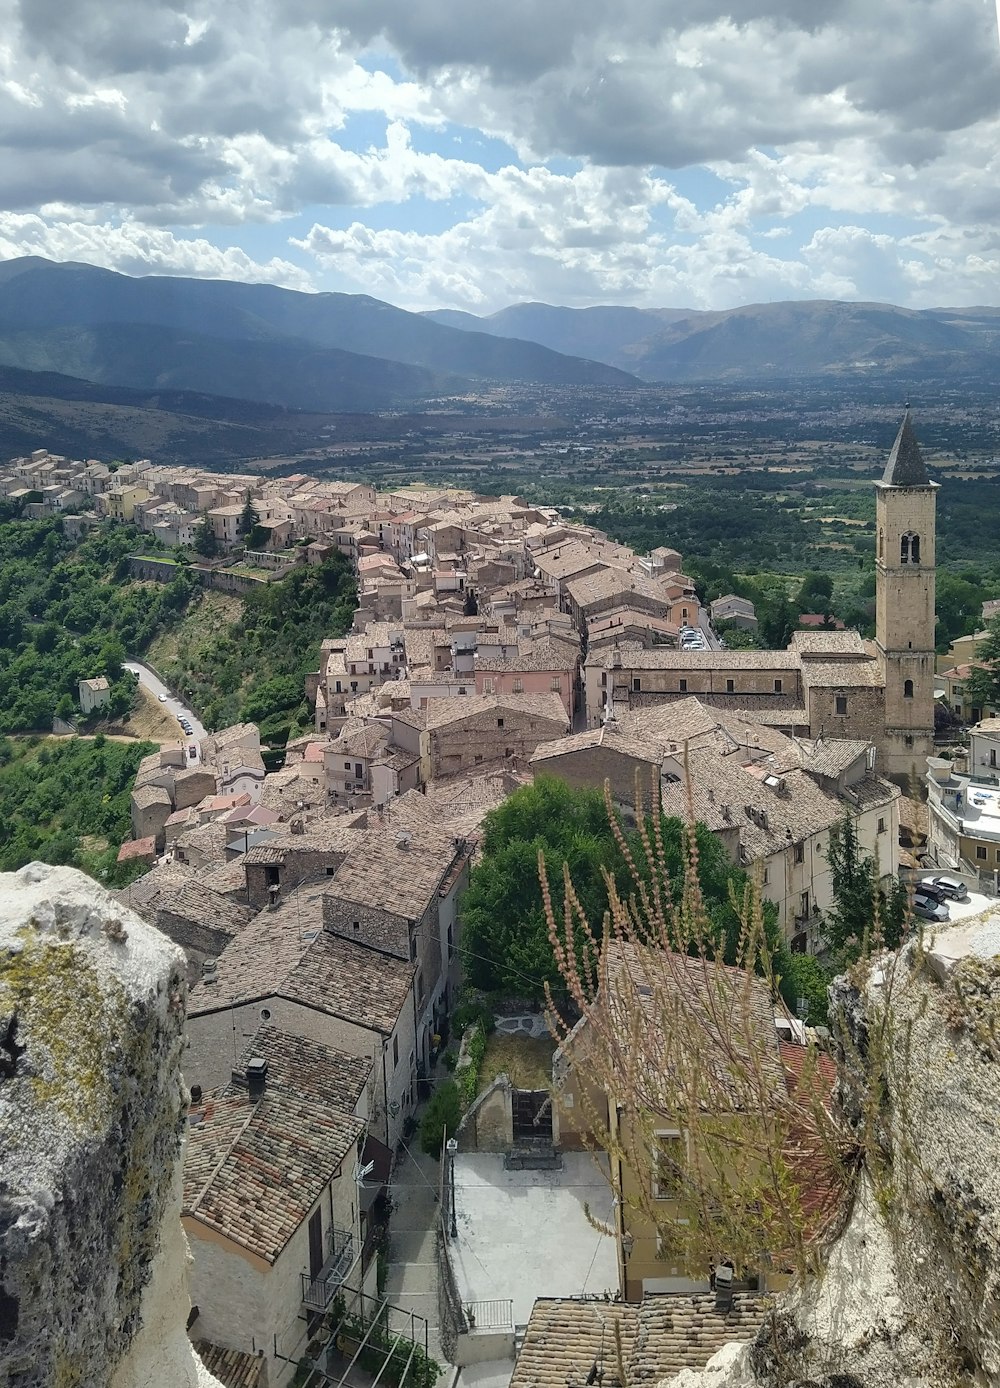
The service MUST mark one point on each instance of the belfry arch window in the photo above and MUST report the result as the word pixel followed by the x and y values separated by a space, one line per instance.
pixel 881 544
pixel 909 548
pixel 907 689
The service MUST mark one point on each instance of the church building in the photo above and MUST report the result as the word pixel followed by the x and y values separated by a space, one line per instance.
pixel 826 684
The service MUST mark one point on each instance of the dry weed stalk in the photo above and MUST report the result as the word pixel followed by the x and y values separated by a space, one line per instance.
pixel 672 1038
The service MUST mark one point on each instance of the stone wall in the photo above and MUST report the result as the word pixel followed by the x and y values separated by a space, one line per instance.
pixel 93 1259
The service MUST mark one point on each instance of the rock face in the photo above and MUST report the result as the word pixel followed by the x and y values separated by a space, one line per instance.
pixel 93 1260
pixel 910 1294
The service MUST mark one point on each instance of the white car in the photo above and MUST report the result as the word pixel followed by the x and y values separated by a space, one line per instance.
pixel 163 698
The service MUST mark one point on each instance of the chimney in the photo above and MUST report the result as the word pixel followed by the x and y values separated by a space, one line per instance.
pixel 209 971
pixel 256 1077
pixel 195 1095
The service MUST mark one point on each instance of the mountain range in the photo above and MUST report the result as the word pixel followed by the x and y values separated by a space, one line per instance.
pixel 98 359
pixel 255 341
pixel 776 342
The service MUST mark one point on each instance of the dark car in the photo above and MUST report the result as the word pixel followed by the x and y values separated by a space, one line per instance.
pixel 928 887
pixel 929 910
pixel 952 887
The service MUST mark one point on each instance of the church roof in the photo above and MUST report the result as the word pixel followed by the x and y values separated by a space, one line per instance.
pixel 905 467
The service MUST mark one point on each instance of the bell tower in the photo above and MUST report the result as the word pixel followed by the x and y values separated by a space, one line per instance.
pixel 905 504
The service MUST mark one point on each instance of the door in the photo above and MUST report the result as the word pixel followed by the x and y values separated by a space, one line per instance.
pixel 532 1116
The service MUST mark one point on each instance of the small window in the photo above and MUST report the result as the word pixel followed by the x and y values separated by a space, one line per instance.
pixel 800 852
pixel 881 826
pixel 907 689
pixel 556 685
pixel 842 704
pixel 730 686
pixel 330 871
pixel 981 853
pixel 347 766
pixel 777 686
pixel 683 686
pixel 668 1165
pixel 395 1051
pixel 518 687
pixel 265 1014
pixel 767 876
pixel 499 722
pixel 993 756
pixel 637 686
pixel 908 740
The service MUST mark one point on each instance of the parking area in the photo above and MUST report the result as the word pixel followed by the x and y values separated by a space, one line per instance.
pixel 974 905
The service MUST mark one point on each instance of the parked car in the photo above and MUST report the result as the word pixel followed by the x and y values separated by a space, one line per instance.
pixel 948 886
pixel 163 698
pixel 929 910
pixel 929 888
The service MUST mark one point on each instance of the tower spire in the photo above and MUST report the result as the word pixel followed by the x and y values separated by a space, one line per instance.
pixel 906 467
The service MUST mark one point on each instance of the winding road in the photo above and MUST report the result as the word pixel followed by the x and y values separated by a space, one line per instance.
pixel 172 704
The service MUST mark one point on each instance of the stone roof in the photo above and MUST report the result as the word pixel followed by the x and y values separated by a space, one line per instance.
pixel 285 952
pixel 564 1339
pixel 635 657
pixel 144 797
pixel 174 890
pixel 442 712
pixel 394 873
pixel 254 1170
pixel 612 582
pixel 906 467
pixel 232 1367
pixel 842 674
pixel 297 1064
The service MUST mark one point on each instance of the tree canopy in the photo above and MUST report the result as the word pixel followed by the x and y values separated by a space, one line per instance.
pixel 505 937
pixel 983 685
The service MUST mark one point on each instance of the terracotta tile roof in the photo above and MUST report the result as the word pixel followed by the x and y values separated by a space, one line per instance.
pixel 657 1339
pixel 254 1170
pixel 232 1367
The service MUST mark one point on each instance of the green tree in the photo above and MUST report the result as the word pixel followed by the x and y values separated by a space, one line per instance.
pixel 816 593
pixel 204 540
pixel 982 688
pixel 249 516
pixel 863 906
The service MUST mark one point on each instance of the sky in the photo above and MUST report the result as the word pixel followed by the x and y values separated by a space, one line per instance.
pixel 475 153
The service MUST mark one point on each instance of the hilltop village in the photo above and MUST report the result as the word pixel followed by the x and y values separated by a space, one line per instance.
pixel 319 905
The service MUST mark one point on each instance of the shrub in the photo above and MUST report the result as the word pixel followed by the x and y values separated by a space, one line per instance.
pixel 470 1011
pixel 441 1118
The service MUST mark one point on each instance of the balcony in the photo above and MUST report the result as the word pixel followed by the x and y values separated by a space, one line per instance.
pixel 319 1291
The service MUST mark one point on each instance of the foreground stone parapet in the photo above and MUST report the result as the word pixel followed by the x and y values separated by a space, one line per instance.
pixel 93 1261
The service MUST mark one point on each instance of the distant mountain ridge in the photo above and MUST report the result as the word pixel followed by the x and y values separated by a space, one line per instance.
pixel 797 338
pixel 254 341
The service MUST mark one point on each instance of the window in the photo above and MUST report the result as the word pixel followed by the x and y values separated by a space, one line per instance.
pixel 767 876
pixel 907 689
pixel 804 904
pixel 909 548
pixel 842 704
pixel 556 684
pixel 668 1164
pixel 518 686
pixel 981 853
pixel 330 871
pixel 777 686
pixel 265 1014
pixel 881 544
pixel 800 852
pixel 347 766
pixel 881 826
pixel 395 1051
pixel 358 771
pixel 489 685
pixel 730 686
pixel 684 686
pixel 499 722
pixel 637 686
pixel 908 740
pixel 993 756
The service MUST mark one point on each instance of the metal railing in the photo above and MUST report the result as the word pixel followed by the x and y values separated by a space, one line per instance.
pixel 319 1291
pixel 497 1314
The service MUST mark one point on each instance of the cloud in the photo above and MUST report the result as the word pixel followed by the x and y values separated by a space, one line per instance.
pixel 856 144
pixel 137 250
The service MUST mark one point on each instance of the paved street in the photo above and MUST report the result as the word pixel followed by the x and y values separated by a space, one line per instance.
pixel 173 705
pixel 412 1281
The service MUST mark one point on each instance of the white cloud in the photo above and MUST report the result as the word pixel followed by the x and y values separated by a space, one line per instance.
pixel 139 123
